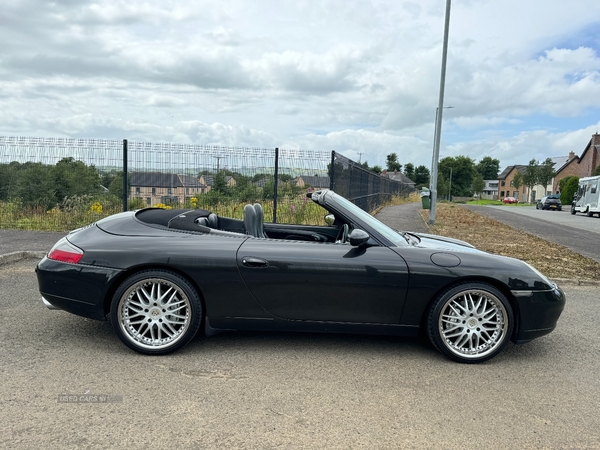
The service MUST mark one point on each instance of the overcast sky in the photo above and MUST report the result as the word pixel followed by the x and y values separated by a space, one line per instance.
pixel 523 76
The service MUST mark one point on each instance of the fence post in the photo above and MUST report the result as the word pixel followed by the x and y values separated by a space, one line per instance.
pixel 275 185
pixel 125 187
pixel 332 171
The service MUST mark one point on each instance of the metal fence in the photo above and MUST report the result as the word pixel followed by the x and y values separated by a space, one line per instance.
pixel 61 183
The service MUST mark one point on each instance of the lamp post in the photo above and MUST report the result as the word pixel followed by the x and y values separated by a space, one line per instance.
pixel 438 120
pixel 450 187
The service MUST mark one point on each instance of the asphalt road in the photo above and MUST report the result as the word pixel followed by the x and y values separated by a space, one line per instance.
pixel 576 232
pixel 258 390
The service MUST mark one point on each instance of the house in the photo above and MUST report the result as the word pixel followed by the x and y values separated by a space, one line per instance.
pixel 399 177
pixel 165 188
pixel 490 191
pixel 315 181
pixel 208 181
pixel 506 187
pixel 582 166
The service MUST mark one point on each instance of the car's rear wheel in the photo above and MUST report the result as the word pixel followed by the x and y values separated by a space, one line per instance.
pixel 156 312
pixel 470 322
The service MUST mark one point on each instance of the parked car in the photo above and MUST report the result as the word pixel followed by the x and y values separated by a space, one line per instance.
pixel 160 275
pixel 549 202
pixel 510 200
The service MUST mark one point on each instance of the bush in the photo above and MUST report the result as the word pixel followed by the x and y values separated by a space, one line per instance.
pixel 568 189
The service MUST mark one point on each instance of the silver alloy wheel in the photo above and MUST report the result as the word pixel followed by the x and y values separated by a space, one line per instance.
pixel 473 323
pixel 154 313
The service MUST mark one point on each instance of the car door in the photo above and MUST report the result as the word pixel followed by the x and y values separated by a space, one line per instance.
pixel 325 281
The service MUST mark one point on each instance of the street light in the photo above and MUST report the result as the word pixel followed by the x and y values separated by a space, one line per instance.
pixel 438 120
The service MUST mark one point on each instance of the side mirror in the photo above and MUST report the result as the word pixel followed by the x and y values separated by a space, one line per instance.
pixel 358 237
pixel 329 219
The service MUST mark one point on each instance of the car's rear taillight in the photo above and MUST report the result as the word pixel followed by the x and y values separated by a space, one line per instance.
pixel 64 251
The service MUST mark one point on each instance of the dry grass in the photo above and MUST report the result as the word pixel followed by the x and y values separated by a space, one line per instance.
pixel 491 236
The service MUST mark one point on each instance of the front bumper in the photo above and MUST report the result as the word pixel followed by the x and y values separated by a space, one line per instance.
pixel 75 288
pixel 538 312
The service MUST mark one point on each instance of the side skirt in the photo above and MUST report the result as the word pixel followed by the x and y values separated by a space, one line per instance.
pixel 214 326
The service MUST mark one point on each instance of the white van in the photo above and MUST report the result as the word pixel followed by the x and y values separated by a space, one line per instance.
pixel 586 198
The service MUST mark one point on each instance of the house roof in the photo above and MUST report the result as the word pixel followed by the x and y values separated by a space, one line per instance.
pixel 399 177
pixel 506 172
pixel 162 180
pixel 594 143
pixel 316 182
pixel 210 179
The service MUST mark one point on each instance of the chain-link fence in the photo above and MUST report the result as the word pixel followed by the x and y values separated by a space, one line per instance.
pixel 61 184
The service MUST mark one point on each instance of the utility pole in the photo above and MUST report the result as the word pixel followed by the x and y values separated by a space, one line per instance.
pixel 360 156
pixel 218 158
pixel 438 120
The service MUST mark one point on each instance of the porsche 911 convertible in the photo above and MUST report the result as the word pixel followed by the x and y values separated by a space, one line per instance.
pixel 160 275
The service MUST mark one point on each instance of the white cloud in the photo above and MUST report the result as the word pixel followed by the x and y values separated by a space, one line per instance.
pixel 355 76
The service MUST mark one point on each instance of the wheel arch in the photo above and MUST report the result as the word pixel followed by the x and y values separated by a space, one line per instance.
pixel 134 270
pixel 503 288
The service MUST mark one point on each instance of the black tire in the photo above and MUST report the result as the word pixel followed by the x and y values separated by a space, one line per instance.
pixel 589 213
pixel 573 209
pixel 156 312
pixel 470 322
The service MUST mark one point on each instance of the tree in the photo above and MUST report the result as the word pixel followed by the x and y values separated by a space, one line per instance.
pixel 530 177
pixel 518 180
pixel 478 184
pixel 35 185
pixel 489 168
pixel 9 176
pixel 596 172
pixel 421 176
pixel 116 185
pixel 392 163
pixel 568 188
pixel 220 185
pixel 75 178
pixel 463 170
pixel 376 169
pixel 546 173
pixel 409 171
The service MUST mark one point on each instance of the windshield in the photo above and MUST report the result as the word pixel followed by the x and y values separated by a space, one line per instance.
pixel 391 235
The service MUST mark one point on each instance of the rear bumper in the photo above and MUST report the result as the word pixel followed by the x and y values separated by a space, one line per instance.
pixel 539 313
pixel 75 288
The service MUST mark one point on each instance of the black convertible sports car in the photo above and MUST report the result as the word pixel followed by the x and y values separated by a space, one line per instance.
pixel 161 274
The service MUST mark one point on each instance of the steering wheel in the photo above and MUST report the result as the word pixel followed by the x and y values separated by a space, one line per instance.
pixel 342 236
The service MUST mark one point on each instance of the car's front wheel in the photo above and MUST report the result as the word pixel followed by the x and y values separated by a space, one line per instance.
pixel 470 322
pixel 156 312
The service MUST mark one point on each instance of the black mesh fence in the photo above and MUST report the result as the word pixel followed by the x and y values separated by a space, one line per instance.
pixel 363 187
pixel 61 184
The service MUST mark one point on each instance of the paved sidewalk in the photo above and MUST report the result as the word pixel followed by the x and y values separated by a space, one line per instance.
pixel 404 217
pixel 12 241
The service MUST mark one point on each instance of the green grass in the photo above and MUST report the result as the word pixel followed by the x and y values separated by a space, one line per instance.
pixel 483 202
pixel 80 211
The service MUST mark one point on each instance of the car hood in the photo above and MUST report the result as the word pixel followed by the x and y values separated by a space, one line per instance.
pixel 433 241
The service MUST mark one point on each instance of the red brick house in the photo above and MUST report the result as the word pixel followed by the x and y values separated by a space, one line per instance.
pixel 582 166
